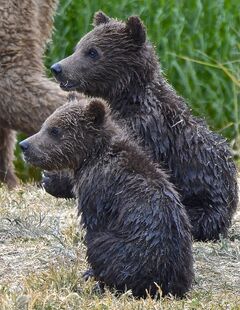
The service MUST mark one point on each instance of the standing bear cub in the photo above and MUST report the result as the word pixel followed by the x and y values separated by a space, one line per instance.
pixel 27 96
pixel 137 231
pixel 115 62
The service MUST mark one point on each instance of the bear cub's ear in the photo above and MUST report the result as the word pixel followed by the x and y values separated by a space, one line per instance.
pixel 100 18
pixel 136 29
pixel 96 110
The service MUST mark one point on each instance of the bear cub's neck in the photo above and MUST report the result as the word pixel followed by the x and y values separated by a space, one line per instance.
pixel 141 97
pixel 119 149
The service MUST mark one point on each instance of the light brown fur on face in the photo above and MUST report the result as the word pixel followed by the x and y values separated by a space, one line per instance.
pixel 109 60
pixel 27 97
pixel 73 134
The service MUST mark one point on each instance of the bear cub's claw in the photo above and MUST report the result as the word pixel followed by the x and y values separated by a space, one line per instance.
pixel 88 274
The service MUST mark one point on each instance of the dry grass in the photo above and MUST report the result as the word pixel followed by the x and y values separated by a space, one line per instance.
pixel 42 258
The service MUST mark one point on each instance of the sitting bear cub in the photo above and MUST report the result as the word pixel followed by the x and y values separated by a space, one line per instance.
pixel 116 62
pixel 137 231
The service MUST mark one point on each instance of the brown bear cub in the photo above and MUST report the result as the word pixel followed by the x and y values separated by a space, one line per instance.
pixel 137 231
pixel 115 62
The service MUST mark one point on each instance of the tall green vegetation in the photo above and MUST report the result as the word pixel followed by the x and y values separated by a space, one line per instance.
pixel 198 43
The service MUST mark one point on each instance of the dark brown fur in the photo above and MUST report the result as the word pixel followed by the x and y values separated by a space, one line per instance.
pixel 137 231
pixel 116 62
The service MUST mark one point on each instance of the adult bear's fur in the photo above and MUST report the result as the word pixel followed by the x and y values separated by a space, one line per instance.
pixel 27 97
pixel 114 61
pixel 137 231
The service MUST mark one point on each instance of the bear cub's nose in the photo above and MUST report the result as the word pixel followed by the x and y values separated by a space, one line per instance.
pixel 56 69
pixel 24 145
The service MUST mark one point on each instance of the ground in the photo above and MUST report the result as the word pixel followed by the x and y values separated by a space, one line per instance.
pixel 42 258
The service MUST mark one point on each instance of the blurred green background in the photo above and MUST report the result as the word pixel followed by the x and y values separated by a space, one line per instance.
pixel 198 43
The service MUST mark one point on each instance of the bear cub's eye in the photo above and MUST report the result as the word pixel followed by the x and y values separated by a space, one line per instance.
pixel 54 131
pixel 92 52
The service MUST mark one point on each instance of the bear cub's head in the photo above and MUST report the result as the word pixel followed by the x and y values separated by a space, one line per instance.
pixel 111 58
pixel 74 133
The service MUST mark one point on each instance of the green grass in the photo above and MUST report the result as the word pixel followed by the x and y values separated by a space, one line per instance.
pixel 198 43
pixel 42 259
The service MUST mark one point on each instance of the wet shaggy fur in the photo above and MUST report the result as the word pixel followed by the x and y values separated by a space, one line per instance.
pixel 137 231
pixel 116 62
pixel 27 97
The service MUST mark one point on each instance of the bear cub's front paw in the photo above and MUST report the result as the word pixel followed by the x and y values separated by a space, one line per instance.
pixel 88 274
pixel 57 185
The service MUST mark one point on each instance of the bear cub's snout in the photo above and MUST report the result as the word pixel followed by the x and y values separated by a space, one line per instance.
pixel 56 69
pixel 24 145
